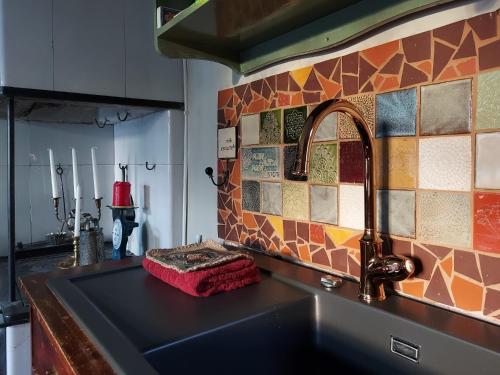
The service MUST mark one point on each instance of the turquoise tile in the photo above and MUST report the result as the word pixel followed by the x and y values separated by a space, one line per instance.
pixel 261 162
pixel 396 113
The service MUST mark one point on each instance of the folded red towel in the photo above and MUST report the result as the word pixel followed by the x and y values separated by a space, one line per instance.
pixel 202 269
pixel 208 281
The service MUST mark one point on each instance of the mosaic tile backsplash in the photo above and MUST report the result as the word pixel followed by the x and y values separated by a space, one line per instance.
pixel 432 101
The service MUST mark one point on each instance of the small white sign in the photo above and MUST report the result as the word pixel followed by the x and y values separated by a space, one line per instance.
pixel 226 143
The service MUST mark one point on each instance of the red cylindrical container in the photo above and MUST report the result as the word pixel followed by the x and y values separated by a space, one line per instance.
pixel 121 194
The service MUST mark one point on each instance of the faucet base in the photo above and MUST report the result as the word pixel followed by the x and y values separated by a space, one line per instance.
pixel 367 298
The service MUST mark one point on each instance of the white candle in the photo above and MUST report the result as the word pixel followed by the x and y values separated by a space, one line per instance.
pixel 75 173
pixel 97 193
pixel 53 178
pixel 77 213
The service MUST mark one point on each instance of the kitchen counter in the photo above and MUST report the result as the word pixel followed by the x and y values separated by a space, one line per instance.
pixel 448 342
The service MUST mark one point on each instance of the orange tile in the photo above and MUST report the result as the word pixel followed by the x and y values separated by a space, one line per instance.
pixel 237 207
pixel 286 251
pixel 487 222
pixel 256 106
pixel 413 288
pixel 229 113
pixel 249 221
pixel 390 83
pixel 380 54
pixel 304 253
pixel 297 99
pixel 425 66
pixel 283 99
pixel 300 75
pixel 467 67
pixel 273 247
pixel 235 177
pixel 449 73
pixel 331 88
pixel 467 295
pixel 316 233
pixel 224 97
pixel 378 81
pixel 447 265
pixel 353 242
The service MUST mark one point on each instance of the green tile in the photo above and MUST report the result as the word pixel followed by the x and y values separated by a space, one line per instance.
pixel 488 100
pixel 270 127
pixel 295 200
pixel 323 164
pixel 294 119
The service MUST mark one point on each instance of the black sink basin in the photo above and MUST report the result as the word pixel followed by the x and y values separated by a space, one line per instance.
pixel 286 324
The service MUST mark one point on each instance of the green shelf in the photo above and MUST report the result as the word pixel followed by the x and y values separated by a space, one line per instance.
pixel 249 35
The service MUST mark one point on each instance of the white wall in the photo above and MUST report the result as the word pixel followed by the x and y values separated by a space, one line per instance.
pixel 34 210
pixel 157 139
pixel 205 79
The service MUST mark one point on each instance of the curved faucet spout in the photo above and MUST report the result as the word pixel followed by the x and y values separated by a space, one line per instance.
pixel 374 268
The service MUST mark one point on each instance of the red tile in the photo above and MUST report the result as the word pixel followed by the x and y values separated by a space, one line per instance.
pixel 351 162
pixel 289 230
pixel 492 301
pixel 467 49
pixel 349 85
pixel 489 56
pixel 366 70
pixel 354 268
pixel 293 86
pixel 282 81
pixel 303 231
pixel 339 260
pixel 424 261
pixel 412 76
pixel 487 222
pixel 312 83
pixel 450 33
pixel 379 54
pixel 485 25
pixel 317 234
pixel 442 54
pixel 325 68
pixel 393 66
pixel 321 257
pixel 466 264
pixel 257 86
pixel 489 269
pixel 417 47
pixel 311 97
pixel 437 290
pixel 350 63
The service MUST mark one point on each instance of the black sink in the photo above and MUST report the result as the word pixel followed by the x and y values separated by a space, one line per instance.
pixel 286 324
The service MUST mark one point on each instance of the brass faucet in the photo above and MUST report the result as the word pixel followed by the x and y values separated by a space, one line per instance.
pixel 375 268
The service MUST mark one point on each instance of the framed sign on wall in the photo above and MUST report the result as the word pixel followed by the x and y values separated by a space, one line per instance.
pixel 226 143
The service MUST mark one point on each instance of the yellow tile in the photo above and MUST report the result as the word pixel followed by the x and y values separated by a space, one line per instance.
pixel 300 75
pixel 277 223
pixel 397 160
pixel 295 200
pixel 337 235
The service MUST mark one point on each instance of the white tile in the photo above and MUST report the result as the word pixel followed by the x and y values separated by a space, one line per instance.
pixel 488 161
pixel 327 130
pixel 250 129
pixel 445 163
pixel 324 204
pixel 396 212
pixel 351 206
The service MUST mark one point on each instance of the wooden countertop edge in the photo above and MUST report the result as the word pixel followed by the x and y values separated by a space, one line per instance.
pixel 67 338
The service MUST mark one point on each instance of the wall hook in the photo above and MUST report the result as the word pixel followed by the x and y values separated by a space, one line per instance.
pixel 123 168
pixel 150 168
pixel 101 126
pixel 122 119
pixel 210 173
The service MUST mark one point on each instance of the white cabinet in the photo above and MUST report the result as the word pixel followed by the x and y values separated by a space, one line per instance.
pixel 149 75
pixel 26 44
pixel 89 47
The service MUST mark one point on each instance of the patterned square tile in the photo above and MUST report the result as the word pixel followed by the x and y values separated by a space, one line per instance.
pixel 324 204
pixel 250 130
pixel 488 161
pixel 446 108
pixel 397 159
pixel 366 105
pixel 289 153
pixel 251 195
pixel 295 201
pixel 396 212
pixel 323 164
pixel 488 100
pixel 445 218
pixel 261 162
pixel 351 206
pixel 445 163
pixel 487 222
pixel 271 198
pixel 294 119
pixel 351 162
pixel 270 127
pixel 327 130
pixel 396 113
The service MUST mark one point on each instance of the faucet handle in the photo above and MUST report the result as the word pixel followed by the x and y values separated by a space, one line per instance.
pixel 391 268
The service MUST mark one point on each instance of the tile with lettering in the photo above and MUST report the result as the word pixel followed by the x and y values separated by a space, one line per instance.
pixel 396 212
pixel 270 127
pixel 294 119
pixel 261 162
pixel 488 160
pixel 446 108
pixel 396 113
pixel 271 198
pixel 324 204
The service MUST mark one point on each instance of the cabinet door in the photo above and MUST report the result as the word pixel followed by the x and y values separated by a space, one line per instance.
pixel 149 74
pixel 26 44
pixel 89 47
